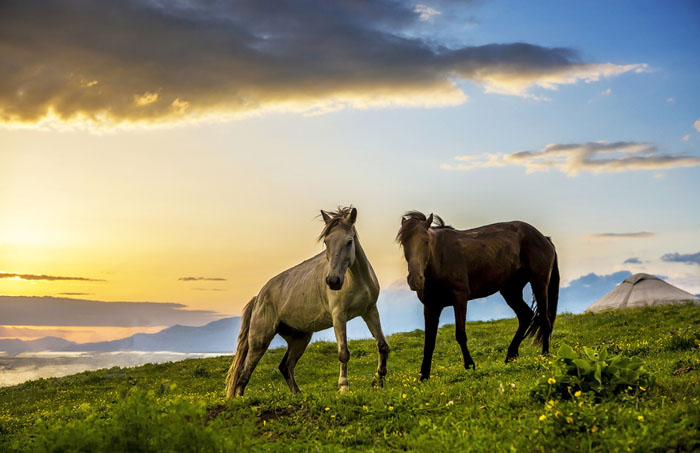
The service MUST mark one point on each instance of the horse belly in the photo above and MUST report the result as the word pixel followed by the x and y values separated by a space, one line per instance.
pixel 308 316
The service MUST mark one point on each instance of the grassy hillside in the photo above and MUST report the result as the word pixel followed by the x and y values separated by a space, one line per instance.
pixel 180 406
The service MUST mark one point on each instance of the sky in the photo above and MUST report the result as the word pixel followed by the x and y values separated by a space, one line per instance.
pixel 180 152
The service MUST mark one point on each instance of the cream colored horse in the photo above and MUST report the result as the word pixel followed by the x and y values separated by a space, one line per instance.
pixel 327 290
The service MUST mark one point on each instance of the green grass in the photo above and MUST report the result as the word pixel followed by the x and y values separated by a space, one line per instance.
pixel 181 406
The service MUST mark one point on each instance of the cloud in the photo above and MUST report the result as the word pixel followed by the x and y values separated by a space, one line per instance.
pixel 687 258
pixel 425 12
pixel 696 125
pixel 55 311
pixel 153 61
pixel 207 289
pixel 635 235
pixel 75 294
pixel 571 159
pixel 196 279
pixel 686 137
pixel 670 100
pixel 633 260
pixel 606 92
pixel 46 277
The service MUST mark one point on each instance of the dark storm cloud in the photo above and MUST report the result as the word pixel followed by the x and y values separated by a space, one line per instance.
pixel 688 258
pixel 47 277
pixel 633 260
pixel 55 311
pixel 105 62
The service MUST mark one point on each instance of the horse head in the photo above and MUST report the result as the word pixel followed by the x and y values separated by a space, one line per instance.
pixel 339 239
pixel 415 241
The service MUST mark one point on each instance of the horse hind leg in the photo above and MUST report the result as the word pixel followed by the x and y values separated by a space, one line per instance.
pixel 514 298
pixel 296 345
pixel 259 340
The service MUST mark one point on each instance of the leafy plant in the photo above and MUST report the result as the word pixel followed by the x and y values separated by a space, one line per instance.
pixel 597 372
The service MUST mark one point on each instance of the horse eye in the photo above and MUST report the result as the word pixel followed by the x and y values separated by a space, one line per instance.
pixel 349 243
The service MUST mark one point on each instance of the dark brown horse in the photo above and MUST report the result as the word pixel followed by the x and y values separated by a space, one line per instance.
pixel 450 267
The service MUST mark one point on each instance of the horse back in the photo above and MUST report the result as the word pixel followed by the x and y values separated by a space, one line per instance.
pixel 482 260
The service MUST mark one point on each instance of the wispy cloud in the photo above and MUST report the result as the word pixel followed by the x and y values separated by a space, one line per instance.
pixel 687 258
pixel 696 125
pixel 198 279
pixel 634 235
pixel 75 294
pixel 47 277
pixel 594 157
pixel 207 289
pixel 633 260
pixel 166 62
pixel 686 137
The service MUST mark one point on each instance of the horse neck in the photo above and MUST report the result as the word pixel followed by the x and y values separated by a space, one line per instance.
pixel 433 261
pixel 361 268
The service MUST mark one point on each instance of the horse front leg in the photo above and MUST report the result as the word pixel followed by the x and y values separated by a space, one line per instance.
pixel 460 332
pixel 432 318
pixel 372 320
pixel 339 326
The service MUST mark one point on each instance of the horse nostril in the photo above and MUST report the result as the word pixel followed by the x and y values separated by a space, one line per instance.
pixel 333 282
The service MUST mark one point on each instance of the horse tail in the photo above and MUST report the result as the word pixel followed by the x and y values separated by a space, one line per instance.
pixel 553 292
pixel 543 321
pixel 241 350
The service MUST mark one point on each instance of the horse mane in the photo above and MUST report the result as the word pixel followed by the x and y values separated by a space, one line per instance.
pixel 337 217
pixel 411 221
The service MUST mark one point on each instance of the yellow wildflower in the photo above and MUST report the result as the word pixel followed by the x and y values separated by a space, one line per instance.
pixel 551 381
pixel 327 409
pixel 569 420
pixel 403 396
pixel 640 418
pixel 577 394
pixel 365 408
pixel 391 408
pixel 543 417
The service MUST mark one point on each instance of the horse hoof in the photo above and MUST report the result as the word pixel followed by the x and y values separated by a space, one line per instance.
pixel 344 389
pixel 378 382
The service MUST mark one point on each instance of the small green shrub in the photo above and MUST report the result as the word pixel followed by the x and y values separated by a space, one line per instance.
pixel 684 341
pixel 596 372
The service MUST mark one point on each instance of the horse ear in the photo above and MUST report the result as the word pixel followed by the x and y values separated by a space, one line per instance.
pixel 326 217
pixel 429 220
pixel 352 216
pixel 403 220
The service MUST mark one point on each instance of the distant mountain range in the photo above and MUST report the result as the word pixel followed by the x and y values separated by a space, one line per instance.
pixel 399 310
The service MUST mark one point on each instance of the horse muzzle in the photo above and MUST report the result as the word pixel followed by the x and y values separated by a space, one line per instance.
pixel 416 283
pixel 335 283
